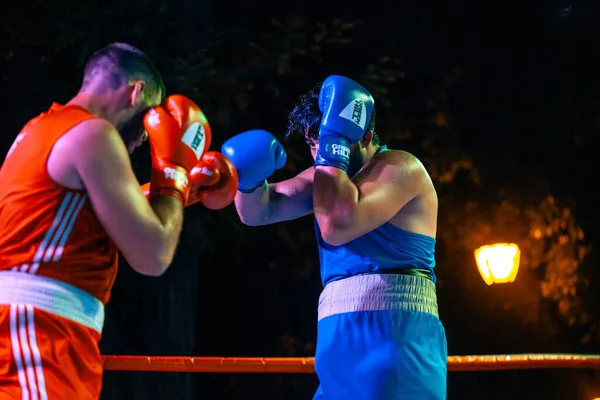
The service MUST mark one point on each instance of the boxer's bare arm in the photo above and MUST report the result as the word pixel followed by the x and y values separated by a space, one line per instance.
pixel 348 208
pixel 147 234
pixel 276 202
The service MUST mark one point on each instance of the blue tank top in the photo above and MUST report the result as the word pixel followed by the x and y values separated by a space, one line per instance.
pixel 387 247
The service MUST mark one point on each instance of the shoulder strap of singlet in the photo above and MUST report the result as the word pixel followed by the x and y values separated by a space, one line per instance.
pixel 382 148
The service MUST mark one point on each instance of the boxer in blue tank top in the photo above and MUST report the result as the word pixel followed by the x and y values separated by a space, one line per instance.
pixel 379 335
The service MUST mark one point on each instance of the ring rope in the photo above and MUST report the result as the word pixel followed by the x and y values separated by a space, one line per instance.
pixel 494 362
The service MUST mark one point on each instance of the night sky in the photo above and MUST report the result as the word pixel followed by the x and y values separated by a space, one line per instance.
pixel 499 100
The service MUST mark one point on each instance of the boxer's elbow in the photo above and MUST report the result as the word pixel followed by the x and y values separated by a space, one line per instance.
pixel 251 220
pixel 151 269
pixel 252 216
pixel 152 263
pixel 333 239
pixel 159 266
pixel 334 232
pixel 336 222
pixel 334 236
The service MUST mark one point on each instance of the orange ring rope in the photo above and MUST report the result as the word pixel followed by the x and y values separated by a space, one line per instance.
pixel 306 365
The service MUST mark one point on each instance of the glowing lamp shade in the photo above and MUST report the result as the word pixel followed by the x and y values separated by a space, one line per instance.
pixel 498 263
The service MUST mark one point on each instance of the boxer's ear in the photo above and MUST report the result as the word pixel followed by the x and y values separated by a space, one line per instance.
pixel 366 139
pixel 137 93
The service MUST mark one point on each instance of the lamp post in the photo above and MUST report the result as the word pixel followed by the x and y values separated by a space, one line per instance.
pixel 498 263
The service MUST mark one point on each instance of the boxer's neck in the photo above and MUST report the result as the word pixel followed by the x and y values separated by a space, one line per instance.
pixel 104 105
pixel 371 150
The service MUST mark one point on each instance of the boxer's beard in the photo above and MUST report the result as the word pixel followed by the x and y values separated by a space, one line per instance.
pixel 132 130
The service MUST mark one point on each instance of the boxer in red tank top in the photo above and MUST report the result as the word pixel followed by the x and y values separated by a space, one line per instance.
pixel 68 201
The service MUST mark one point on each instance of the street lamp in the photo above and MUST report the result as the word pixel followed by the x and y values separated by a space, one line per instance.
pixel 498 263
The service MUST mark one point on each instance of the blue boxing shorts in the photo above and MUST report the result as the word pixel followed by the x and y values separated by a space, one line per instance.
pixel 379 338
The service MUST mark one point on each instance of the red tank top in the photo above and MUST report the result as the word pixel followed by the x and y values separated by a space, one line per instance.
pixel 46 228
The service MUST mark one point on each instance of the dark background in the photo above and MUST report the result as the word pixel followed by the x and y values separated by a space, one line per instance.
pixel 498 99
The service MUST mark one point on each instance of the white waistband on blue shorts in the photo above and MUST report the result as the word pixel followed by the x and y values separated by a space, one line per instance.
pixel 378 292
pixel 53 296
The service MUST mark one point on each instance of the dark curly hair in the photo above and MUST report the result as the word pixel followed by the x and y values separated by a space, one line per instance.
pixel 305 118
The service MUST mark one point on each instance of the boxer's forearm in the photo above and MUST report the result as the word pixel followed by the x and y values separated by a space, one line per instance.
pixel 277 202
pixel 334 199
pixel 170 213
pixel 253 208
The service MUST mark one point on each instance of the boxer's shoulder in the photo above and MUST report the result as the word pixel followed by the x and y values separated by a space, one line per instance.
pixel 400 161
pixel 90 135
pixel 393 154
pixel 400 167
pixel 93 127
pixel 91 139
pixel 308 175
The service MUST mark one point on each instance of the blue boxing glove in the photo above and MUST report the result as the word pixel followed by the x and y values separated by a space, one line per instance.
pixel 256 154
pixel 347 109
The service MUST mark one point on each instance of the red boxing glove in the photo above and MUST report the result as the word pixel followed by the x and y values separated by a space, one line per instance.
pixel 179 134
pixel 146 189
pixel 214 181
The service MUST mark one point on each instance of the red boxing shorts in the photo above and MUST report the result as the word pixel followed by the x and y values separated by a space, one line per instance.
pixel 45 355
